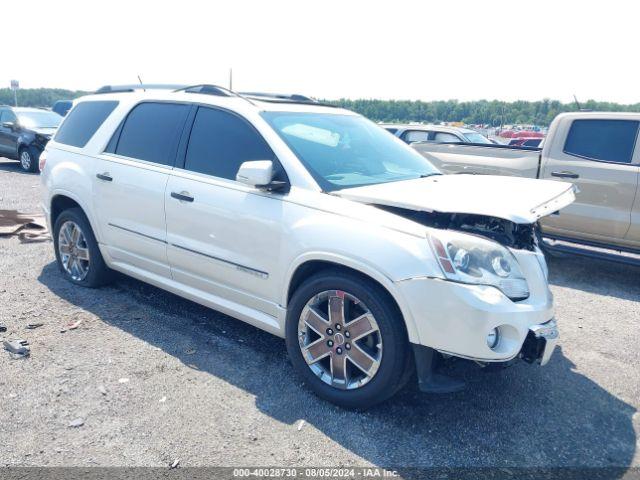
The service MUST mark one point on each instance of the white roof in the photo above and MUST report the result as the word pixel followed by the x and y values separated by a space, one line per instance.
pixel 236 103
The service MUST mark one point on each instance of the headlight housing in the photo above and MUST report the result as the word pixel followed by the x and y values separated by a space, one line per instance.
pixel 471 259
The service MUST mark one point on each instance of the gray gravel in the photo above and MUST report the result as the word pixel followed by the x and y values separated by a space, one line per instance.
pixel 148 378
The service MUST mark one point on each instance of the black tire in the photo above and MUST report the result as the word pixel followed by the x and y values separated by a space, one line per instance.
pixel 395 364
pixel 33 157
pixel 98 273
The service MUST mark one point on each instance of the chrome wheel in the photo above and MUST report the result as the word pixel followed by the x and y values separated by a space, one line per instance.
pixel 73 250
pixel 25 160
pixel 340 339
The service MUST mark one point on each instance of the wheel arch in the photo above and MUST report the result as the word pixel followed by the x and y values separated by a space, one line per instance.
pixel 61 201
pixel 311 264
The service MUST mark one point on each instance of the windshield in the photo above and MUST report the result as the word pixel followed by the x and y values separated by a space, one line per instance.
pixel 475 137
pixel 343 151
pixel 43 119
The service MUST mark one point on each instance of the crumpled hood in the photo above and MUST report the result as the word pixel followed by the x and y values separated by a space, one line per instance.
pixel 520 200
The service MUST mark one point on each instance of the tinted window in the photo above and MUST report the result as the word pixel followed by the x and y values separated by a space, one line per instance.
pixel 446 138
pixel 416 136
pixel 609 140
pixel 83 121
pixel 220 142
pixel 8 116
pixel 392 130
pixel 151 132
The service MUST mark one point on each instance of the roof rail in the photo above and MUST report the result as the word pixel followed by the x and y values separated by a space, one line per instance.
pixel 208 89
pixel 285 98
pixel 136 86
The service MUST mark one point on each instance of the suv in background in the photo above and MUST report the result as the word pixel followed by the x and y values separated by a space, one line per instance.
pixel 307 221
pixel 61 107
pixel 24 132
pixel 436 133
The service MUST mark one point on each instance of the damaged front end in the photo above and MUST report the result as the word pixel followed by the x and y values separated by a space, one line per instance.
pixel 520 236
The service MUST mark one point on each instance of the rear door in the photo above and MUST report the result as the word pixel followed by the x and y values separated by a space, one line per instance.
pixel 598 157
pixel 130 181
pixel 224 238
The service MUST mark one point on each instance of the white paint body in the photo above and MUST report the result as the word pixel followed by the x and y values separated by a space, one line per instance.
pixel 253 241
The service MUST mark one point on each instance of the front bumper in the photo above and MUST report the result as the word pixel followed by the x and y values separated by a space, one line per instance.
pixel 455 318
pixel 540 343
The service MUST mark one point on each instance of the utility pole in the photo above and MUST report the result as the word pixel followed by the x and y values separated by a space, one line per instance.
pixel 14 86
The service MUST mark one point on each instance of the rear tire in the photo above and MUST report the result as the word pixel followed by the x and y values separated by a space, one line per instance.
pixel 77 252
pixel 360 389
pixel 28 158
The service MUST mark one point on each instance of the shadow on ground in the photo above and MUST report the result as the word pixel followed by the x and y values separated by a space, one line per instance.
pixel 523 416
pixel 9 165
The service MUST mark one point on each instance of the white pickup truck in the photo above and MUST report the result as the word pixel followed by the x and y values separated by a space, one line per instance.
pixel 598 152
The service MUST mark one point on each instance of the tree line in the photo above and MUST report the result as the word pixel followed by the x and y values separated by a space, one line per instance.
pixel 492 112
pixel 38 97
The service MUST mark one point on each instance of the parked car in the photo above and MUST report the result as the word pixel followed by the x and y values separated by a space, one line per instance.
pixel 24 132
pixel 61 107
pixel 307 221
pixel 526 141
pixel 598 152
pixel 435 133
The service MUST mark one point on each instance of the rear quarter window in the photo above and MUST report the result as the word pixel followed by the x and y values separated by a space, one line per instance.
pixel 83 121
pixel 604 140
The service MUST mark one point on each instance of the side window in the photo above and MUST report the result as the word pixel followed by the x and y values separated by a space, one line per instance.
pixel 416 136
pixel 446 138
pixel 8 116
pixel 82 122
pixel 608 140
pixel 220 142
pixel 391 130
pixel 151 132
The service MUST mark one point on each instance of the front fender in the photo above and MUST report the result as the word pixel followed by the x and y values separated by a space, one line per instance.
pixel 362 243
pixel 359 266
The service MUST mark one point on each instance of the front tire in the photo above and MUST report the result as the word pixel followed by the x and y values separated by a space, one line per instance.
pixel 28 158
pixel 77 252
pixel 346 338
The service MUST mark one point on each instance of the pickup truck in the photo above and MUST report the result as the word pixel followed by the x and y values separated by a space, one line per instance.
pixel 598 152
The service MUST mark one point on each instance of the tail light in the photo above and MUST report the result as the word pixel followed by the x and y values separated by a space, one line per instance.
pixel 43 160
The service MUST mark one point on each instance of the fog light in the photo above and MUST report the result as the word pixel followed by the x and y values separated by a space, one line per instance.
pixel 493 338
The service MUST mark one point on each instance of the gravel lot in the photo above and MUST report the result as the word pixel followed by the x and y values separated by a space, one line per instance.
pixel 156 378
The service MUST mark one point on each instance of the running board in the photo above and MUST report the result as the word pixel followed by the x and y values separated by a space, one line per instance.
pixel 558 245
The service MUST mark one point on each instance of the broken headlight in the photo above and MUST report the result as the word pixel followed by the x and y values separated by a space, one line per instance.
pixel 470 259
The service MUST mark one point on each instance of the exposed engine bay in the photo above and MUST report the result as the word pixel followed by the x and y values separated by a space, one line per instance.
pixel 505 232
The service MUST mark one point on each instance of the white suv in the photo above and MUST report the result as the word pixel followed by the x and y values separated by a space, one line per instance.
pixel 309 222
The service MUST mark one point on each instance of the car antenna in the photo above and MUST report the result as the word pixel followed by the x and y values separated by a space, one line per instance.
pixel 577 102
pixel 140 80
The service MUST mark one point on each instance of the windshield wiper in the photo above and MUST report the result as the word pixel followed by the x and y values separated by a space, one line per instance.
pixel 425 175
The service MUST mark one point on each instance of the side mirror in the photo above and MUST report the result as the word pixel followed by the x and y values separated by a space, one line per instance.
pixel 10 125
pixel 260 174
pixel 257 173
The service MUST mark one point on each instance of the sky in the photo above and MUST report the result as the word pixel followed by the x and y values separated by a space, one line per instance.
pixel 400 49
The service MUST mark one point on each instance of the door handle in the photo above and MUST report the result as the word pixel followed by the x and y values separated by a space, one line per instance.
pixel 182 196
pixel 565 174
pixel 104 176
